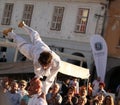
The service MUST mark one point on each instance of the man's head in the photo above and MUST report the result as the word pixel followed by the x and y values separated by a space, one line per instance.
pixel 14 87
pixel 35 86
pixel 71 91
pixel 45 59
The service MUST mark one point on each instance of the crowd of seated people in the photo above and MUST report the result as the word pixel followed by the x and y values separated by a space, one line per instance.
pixel 24 93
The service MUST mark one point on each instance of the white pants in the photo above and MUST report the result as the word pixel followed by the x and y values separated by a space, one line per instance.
pixel 24 46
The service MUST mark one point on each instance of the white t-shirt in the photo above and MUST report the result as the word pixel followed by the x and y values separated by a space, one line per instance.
pixel 36 100
pixel 95 84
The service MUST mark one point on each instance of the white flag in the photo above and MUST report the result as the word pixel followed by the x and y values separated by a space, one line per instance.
pixel 99 50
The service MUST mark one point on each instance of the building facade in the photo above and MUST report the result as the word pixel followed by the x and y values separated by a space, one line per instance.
pixel 65 25
pixel 112 37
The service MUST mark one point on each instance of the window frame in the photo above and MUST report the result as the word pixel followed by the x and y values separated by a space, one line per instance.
pixel 7 14
pixel 79 19
pixel 57 18
pixel 27 13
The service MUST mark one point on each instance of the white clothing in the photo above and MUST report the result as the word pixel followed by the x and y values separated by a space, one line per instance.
pixel 95 84
pixel 22 92
pixel 36 100
pixel 32 52
pixel 75 83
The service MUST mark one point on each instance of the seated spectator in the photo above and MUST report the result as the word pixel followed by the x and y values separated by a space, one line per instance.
pixel 54 97
pixel 38 98
pixel 95 85
pixel 108 100
pixel 70 98
pixel 64 87
pixel 90 91
pixel 13 94
pixel 82 101
pixel 83 93
pixel 74 82
pixel 6 84
pixel 22 88
pixel 98 99
pixel 101 89
pixel 25 98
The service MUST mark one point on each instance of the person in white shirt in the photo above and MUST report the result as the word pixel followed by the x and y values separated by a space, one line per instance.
pixel 37 98
pixel 22 88
pixel 74 82
pixel 54 98
pixel 95 85
pixel 46 62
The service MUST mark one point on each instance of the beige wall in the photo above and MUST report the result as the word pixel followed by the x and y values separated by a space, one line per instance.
pixel 112 33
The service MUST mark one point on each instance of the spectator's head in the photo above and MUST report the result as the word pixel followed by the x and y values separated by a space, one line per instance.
pixel 67 81
pixel 5 83
pixel 83 91
pixel 45 59
pixel 100 97
pixel 101 85
pixel 35 86
pixel 14 87
pixel 82 100
pixel 108 100
pixel 55 88
pixel 23 84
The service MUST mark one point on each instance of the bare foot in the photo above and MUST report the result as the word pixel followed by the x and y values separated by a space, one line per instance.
pixel 21 24
pixel 6 31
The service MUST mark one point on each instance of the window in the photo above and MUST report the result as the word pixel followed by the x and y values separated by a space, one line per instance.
pixel 6 19
pixel 27 15
pixel 82 18
pixel 21 57
pixel 3 49
pixel 57 18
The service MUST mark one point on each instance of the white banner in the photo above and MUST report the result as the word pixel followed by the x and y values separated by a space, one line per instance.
pixel 73 70
pixel 99 50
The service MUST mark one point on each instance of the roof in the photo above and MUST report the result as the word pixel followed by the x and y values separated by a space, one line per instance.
pixel 16 67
